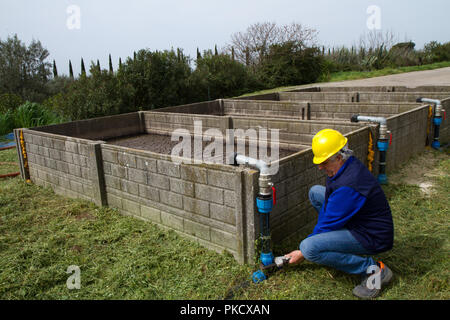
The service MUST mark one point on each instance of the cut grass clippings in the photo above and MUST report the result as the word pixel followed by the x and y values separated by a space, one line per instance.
pixel 120 257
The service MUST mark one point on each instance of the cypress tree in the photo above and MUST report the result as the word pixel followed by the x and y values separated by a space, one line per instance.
pixel 70 69
pixel 216 53
pixel 247 56
pixel 98 65
pixel 232 53
pixel 120 63
pixel 55 71
pixel 110 65
pixel 83 69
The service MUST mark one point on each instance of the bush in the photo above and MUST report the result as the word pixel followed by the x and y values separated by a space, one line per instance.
pixel 290 64
pixel 154 79
pixel 9 101
pixel 436 52
pixel 31 114
pixel 6 122
pixel 219 76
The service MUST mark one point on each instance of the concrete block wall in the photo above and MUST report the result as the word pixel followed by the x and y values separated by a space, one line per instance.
pixel 167 122
pixel 344 111
pixel 408 137
pixel 202 202
pixel 62 163
pixel 294 132
pixel 266 108
pixel 209 107
pixel 312 110
pixel 355 96
pixel 101 128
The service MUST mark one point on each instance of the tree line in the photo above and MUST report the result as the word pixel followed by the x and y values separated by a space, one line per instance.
pixel 263 56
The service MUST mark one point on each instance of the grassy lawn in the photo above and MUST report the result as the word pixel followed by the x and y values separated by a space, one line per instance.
pixel 120 257
pixel 356 75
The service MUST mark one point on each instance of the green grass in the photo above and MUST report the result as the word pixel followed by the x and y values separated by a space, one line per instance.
pixel 356 75
pixel 120 257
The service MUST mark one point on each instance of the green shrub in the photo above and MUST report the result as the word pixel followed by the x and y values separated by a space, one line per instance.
pixel 219 76
pixel 6 122
pixel 32 114
pixel 436 52
pixel 291 64
pixel 9 101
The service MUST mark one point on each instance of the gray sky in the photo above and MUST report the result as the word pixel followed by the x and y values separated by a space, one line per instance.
pixel 121 27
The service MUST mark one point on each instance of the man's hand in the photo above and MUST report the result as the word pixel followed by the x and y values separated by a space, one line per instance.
pixel 296 257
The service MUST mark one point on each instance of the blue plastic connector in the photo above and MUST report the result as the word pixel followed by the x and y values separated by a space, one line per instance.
pixel 382 178
pixel 258 276
pixel 383 145
pixel 437 121
pixel 264 205
pixel 267 258
pixel 435 144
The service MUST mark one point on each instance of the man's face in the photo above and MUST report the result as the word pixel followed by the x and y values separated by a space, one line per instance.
pixel 331 167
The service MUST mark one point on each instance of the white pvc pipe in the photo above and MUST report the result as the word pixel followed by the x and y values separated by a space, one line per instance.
pixel 434 101
pixel 259 164
pixel 379 120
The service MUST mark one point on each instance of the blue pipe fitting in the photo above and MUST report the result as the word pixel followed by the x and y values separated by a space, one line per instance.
pixel 267 258
pixel 437 121
pixel 382 178
pixel 264 205
pixel 383 145
pixel 436 145
pixel 258 276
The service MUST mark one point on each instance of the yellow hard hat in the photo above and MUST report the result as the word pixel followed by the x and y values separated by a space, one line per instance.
pixel 326 143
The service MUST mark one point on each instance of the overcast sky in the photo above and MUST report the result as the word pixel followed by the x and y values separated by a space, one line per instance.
pixel 93 29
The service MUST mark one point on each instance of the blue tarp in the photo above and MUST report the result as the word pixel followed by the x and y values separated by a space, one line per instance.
pixel 7 140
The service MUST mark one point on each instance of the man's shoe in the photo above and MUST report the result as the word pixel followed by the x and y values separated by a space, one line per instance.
pixel 372 284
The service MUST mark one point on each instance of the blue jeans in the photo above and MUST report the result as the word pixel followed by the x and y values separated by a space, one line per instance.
pixel 337 249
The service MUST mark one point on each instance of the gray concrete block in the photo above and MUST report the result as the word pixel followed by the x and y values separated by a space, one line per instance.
pixel 126 160
pixel 182 187
pixel 229 198
pixel 222 213
pixel 131 206
pixel 119 171
pixel 146 164
pixel 197 230
pixel 109 155
pixel 172 221
pixel 193 173
pixel 129 187
pixel 138 176
pixel 223 238
pixel 171 199
pixel 208 193
pixel 221 179
pixel 158 181
pixel 196 206
pixel 151 214
pixel 168 168
pixel 71 146
pixel 149 193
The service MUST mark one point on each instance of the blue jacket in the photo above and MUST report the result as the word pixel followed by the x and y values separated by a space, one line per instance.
pixel 354 200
